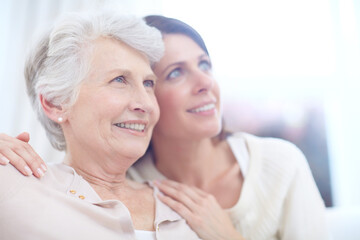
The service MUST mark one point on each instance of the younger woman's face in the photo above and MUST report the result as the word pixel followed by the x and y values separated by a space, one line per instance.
pixel 186 91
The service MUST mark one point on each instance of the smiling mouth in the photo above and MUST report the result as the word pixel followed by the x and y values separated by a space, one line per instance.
pixel 132 126
pixel 204 108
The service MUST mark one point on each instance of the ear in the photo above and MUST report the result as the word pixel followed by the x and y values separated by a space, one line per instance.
pixel 55 113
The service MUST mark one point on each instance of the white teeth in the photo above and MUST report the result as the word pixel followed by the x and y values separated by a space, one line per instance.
pixel 204 108
pixel 133 126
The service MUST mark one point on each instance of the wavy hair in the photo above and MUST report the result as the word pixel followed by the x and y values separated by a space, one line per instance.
pixel 60 61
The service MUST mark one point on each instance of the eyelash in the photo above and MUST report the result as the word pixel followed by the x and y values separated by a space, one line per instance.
pixel 178 69
pixel 206 62
pixel 119 77
pixel 123 80
pixel 151 81
pixel 173 71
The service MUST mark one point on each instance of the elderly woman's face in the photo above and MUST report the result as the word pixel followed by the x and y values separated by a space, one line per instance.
pixel 187 93
pixel 116 109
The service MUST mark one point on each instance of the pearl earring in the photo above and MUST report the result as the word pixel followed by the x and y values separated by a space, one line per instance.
pixel 60 119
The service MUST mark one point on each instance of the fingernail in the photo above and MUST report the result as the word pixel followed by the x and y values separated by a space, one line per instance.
pixel 43 167
pixel 40 172
pixel 28 170
pixel 4 160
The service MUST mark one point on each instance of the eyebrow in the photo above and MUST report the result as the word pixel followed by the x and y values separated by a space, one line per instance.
pixel 126 72
pixel 116 72
pixel 182 62
pixel 151 76
pixel 173 64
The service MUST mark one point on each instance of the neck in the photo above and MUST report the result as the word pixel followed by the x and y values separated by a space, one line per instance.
pixel 106 174
pixel 190 162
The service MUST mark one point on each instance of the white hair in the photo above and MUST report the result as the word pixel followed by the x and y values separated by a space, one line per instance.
pixel 60 61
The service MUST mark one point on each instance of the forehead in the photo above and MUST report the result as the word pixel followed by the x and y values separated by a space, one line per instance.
pixel 178 43
pixel 108 54
pixel 179 48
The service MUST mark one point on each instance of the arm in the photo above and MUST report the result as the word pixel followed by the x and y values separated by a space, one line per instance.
pixel 304 210
pixel 201 210
pixel 21 155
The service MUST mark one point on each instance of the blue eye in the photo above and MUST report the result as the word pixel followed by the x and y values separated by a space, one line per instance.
pixel 149 83
pixel 205 66
pixel 174 73
pixel 120 79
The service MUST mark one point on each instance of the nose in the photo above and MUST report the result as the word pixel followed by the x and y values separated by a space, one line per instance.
pixel 141 101
pixel 204 82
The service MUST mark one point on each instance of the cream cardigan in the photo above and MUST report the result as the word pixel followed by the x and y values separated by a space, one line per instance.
pixel 279 198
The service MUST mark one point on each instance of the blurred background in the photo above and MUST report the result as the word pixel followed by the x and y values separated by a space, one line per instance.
pixel 286 68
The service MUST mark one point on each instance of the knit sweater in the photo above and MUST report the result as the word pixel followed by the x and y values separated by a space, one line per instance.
pixel 279 198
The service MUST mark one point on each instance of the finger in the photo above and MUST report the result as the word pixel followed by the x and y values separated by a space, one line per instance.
pixel 21 156
pixel 24 136
pixel 201 200
pixel 191 192
pixel 200 192
pixel 178 207
pixel 180 194
pixel 3 160
pixel 17 162
pixel 23 150
pixel 33 160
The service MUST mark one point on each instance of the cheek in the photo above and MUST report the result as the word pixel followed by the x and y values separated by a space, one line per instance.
pixel 156 111
pixel 216 90
pixel 90 114
pixel 170 100
pixel 102 106
pixel 106 106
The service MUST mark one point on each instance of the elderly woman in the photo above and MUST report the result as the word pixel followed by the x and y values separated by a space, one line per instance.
pixel 91 84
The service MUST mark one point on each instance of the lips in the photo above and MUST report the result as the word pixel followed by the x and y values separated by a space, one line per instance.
pixel 136 126
pixel 203 108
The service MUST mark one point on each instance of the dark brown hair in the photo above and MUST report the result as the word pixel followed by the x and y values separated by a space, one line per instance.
pixel 172 26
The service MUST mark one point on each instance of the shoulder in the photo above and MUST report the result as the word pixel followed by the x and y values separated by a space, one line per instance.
pixel 57 176
pixel 268 143
pixel 274 162
pixel 274 150
pixel 10 175
pixel 11 181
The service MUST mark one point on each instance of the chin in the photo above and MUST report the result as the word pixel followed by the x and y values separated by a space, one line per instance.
pixel 214 129
pixel 208 132
pixel 135 151
pixel 134 155
pixel 214 133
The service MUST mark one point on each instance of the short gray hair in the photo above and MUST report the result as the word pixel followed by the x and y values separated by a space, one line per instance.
pixel 60 61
